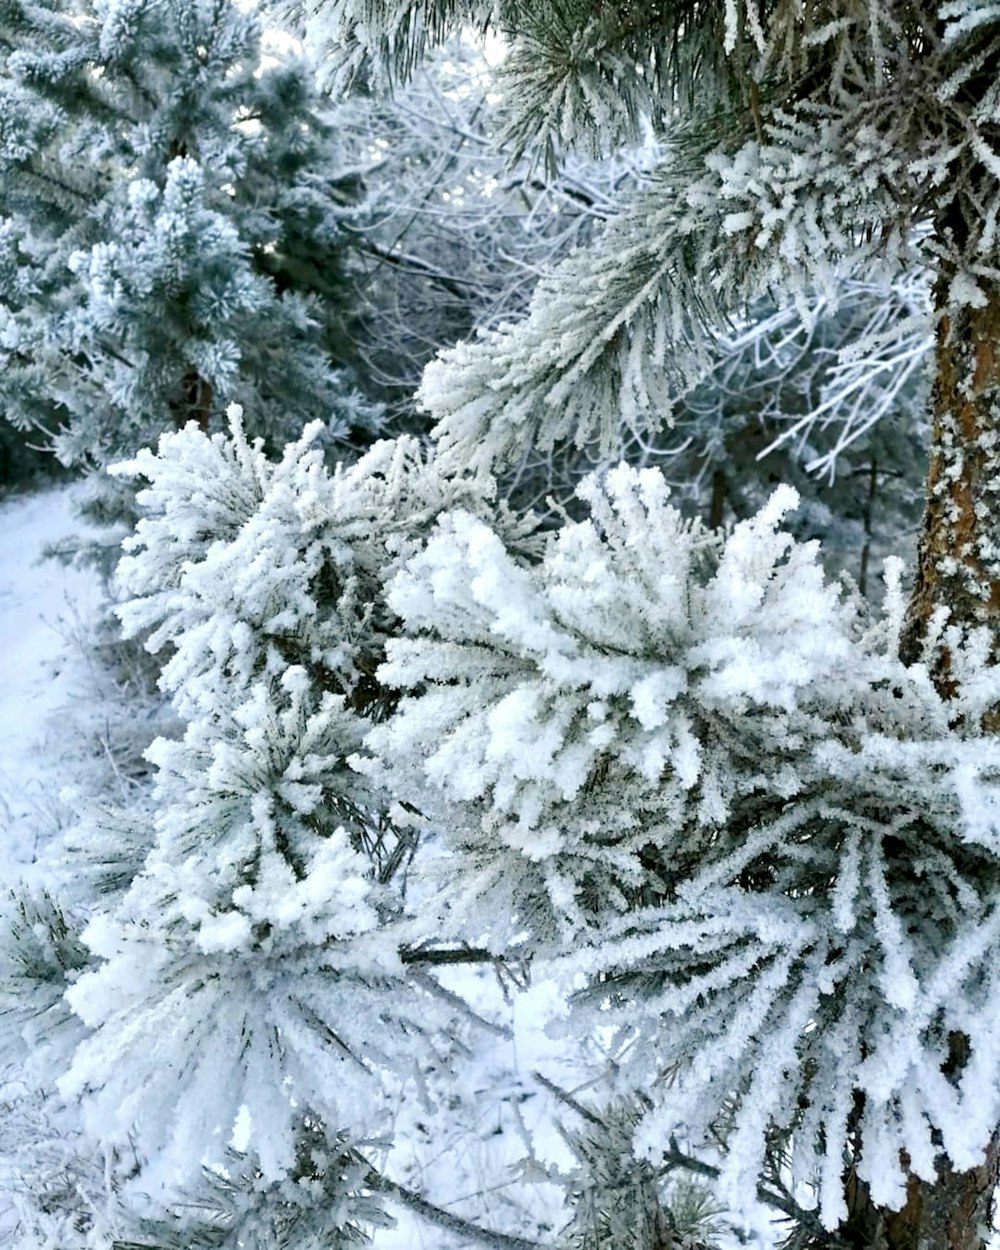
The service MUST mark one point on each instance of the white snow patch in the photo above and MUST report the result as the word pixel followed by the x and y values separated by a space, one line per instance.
pixel 41 603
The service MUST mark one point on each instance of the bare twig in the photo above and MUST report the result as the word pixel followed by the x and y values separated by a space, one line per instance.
pixel 460 1005
pixel 445 1219
pixel 567 1099
pixel 449 955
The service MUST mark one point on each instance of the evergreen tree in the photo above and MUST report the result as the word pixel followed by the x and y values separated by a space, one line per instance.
pixel 173 214
pixel 249 967
pixel 256 918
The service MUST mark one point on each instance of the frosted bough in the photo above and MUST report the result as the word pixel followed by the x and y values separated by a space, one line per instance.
pixel 754 842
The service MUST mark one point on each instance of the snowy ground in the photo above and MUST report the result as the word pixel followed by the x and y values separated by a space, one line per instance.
pixel 42 603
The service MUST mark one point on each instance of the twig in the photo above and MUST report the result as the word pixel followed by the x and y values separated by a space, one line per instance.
pixel 445 1219
pixel 567 1099
pixel 459 1003
pixel 449 955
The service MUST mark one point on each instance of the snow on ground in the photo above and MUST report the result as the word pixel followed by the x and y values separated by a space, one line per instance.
pixel 41 604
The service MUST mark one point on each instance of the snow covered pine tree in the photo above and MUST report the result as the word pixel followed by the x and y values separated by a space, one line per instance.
pixel 809 141
pixel 757 834
pixel 172 237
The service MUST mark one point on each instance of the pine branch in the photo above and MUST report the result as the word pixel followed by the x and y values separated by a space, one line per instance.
pixel 388 38
pixel 674 1157
pixel 779 1201
pixel 615 333
pixel 567 1099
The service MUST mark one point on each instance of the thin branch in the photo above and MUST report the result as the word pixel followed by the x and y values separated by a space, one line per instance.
pixel 417 267
pixel 445 1219
pixel 567 1099
pixel 449 955
pixel 460 1005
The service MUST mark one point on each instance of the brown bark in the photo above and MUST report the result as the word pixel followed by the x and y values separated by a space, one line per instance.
pixel 958 563
pixel 958 575
pixel 952 1214
pixel 196 403
pixel 717 506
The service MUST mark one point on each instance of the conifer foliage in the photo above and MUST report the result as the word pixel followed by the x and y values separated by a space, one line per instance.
pixel 258 922
pixel 805 143
pixel 173 217
pixel 687 770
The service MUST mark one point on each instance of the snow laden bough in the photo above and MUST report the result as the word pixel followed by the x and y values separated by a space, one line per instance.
pixel 40 956
pixel 699 780
pixel 250 973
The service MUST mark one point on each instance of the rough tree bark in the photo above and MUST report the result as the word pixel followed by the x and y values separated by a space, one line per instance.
pixel 959 555
pixel 196 401
pixel 952 1214
pixel 958 574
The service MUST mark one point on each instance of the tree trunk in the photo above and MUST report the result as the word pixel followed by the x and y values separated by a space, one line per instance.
pixel 953 1214
pixel 867 519
pixel 196 401
pixel 958 576
pixel 958 562
pixel 717 506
